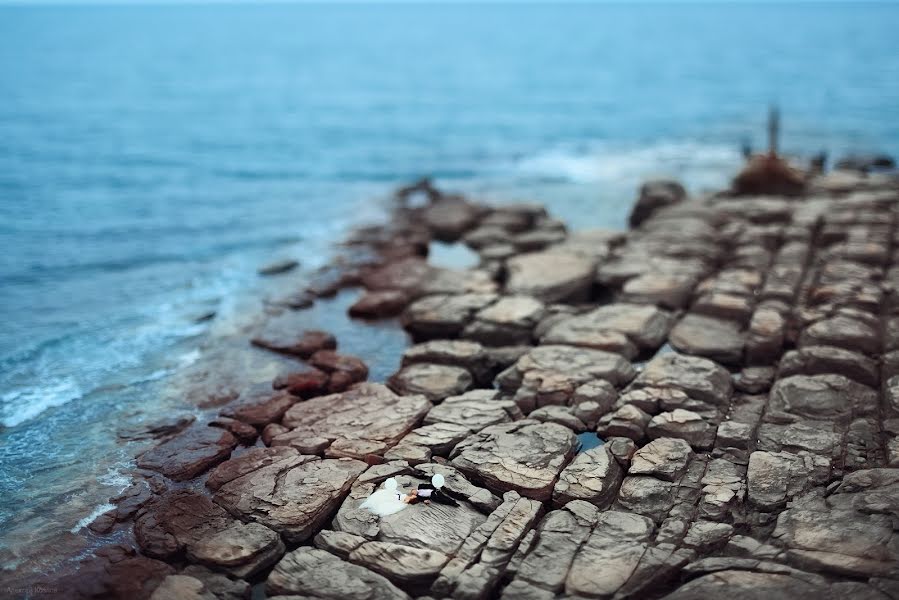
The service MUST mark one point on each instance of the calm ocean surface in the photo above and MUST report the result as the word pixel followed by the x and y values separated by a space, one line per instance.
pixel 151 157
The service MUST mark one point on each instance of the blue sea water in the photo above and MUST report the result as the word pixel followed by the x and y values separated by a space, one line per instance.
pixel 152 156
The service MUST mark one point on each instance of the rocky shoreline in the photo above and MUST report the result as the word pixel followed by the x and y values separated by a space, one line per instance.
pixel 738 356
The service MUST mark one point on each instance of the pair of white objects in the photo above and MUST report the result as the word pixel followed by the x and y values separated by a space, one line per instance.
pixel 388 500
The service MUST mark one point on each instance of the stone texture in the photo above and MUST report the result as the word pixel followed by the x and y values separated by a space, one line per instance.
pixel 524 456
pixel 309 572
pixel 369 413
pixel 579 364
pixel 184 521
pixel 474 410
pixel 285 333
pixel 593 476
pixel 434 382
pixel 551 276
pixel 822 397
pixel 682 424
pixel 822 360
pixel 713 338
pixel 665 458
pixel 644 325
pixel 507 322
pixel 471 356
pixel 443 315
pixel 284 490
pixel 379 304
pixel 189 454
pixel 699 378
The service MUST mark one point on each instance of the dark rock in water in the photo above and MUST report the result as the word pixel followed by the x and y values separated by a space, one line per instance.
pixel 114 573
pixel 285 334
pixel 443 315
pixel 655 195
pixel 242 431
pixel 260 405
pixel 305 384
pixel 190 454
pixel 157 430
pixel 188 522
pixel 344 370
pixel 295 301
pixel 379 304
pixel 865 163
pixel 278 267
pixel 450 217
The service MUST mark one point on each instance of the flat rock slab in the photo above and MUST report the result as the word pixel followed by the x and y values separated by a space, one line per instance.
pixel 185 521
pixel 831 397
pixel 435 382
pixel 474 410
pixel 699 378
pixel 551 276
pixel 284 490
pixel 823 360
pixel 443 315
pixel 189 454
pixel 286 333
pixel 313 573
pixel 507 322
pixel 471 356
pixel 665 458
pixel 577 364
pixel 593 476
pixel 713 338
pixel 260 406
pixel 525 456
pixel 369 413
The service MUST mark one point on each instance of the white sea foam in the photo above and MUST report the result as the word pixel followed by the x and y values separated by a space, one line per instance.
pixel 23 404
pixel 99 510
pixel 701 164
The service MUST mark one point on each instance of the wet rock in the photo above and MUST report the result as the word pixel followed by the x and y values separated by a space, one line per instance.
pixel 279 266
pixel 682 424
pixel 474 410
pixel 189 454
pixel 442 315
pixel 285 333
pixel 160 429
pixel 822 397
pixel 843 332
pixel 593 476
pixel 697 377
pixel 315 573
pixel 509 321
pixel 713 338
pixel 471 356
pixel 579 364
pixel 821 360
pixel 665 458
pixel 293 494
pixel 628 421
pixel 259 406
pixel 184 521
pixel 244 432
pixel 524 456
pixel 305 384
pixel 550 276
pixel 655 195
pixel 344 370
pixel 379 304
pixel 435 382
pixel 115 573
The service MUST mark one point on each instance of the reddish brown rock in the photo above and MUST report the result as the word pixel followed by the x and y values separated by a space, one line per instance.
pixel 284 334
pixel 379 304
pixel 186 522
pixel 305 384
pixel 189 454
pixel 115 573
pixel 344 370
pixel 368 412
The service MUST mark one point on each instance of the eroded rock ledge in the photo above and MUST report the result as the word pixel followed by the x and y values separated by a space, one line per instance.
pixel 739 358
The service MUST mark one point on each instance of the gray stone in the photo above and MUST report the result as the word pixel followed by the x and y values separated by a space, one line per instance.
pixel 665 458
pixel 710 337
pixel 551 276
pixel 434 382
pixel 593 476
pixel 699 378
